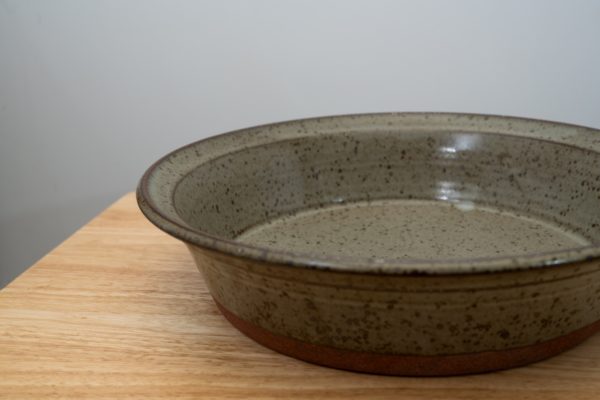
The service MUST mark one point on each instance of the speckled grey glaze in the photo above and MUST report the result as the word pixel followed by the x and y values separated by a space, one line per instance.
pixel 425 234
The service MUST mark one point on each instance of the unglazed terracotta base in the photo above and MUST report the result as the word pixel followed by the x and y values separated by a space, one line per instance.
pixel 407 364
pixel 398 243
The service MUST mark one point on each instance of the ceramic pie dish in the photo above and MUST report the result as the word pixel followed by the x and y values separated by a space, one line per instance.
pixel 401 243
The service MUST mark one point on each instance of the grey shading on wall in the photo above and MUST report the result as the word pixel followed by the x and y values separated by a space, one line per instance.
pixel 92 92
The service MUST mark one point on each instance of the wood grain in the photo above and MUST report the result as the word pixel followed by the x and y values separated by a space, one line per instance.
pixel 119 311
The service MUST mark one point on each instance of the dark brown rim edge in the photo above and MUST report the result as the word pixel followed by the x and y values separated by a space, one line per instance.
pixel 385 267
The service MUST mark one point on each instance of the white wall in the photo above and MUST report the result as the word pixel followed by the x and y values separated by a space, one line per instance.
pixel 91 92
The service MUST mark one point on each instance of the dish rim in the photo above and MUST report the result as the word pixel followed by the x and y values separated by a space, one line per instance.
pixel 362 265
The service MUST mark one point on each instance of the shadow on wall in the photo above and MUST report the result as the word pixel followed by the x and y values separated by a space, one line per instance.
pixel 41 230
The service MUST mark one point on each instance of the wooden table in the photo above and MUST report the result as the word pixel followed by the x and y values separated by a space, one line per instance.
pixel 119 311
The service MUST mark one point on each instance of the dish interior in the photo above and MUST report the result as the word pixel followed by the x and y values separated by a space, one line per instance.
pixel 411 229
pixel 385 195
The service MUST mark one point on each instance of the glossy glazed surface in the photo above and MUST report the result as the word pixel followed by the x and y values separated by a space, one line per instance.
pixel 426 315
pixel 412 235
pixel 211 191
pixel 410 229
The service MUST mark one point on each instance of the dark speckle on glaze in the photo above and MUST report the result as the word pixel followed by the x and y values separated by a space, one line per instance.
pixel 401 234
pixel 511 196
pixel 410 229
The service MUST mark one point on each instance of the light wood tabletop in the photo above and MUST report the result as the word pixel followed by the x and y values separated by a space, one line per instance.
pixel 119 311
